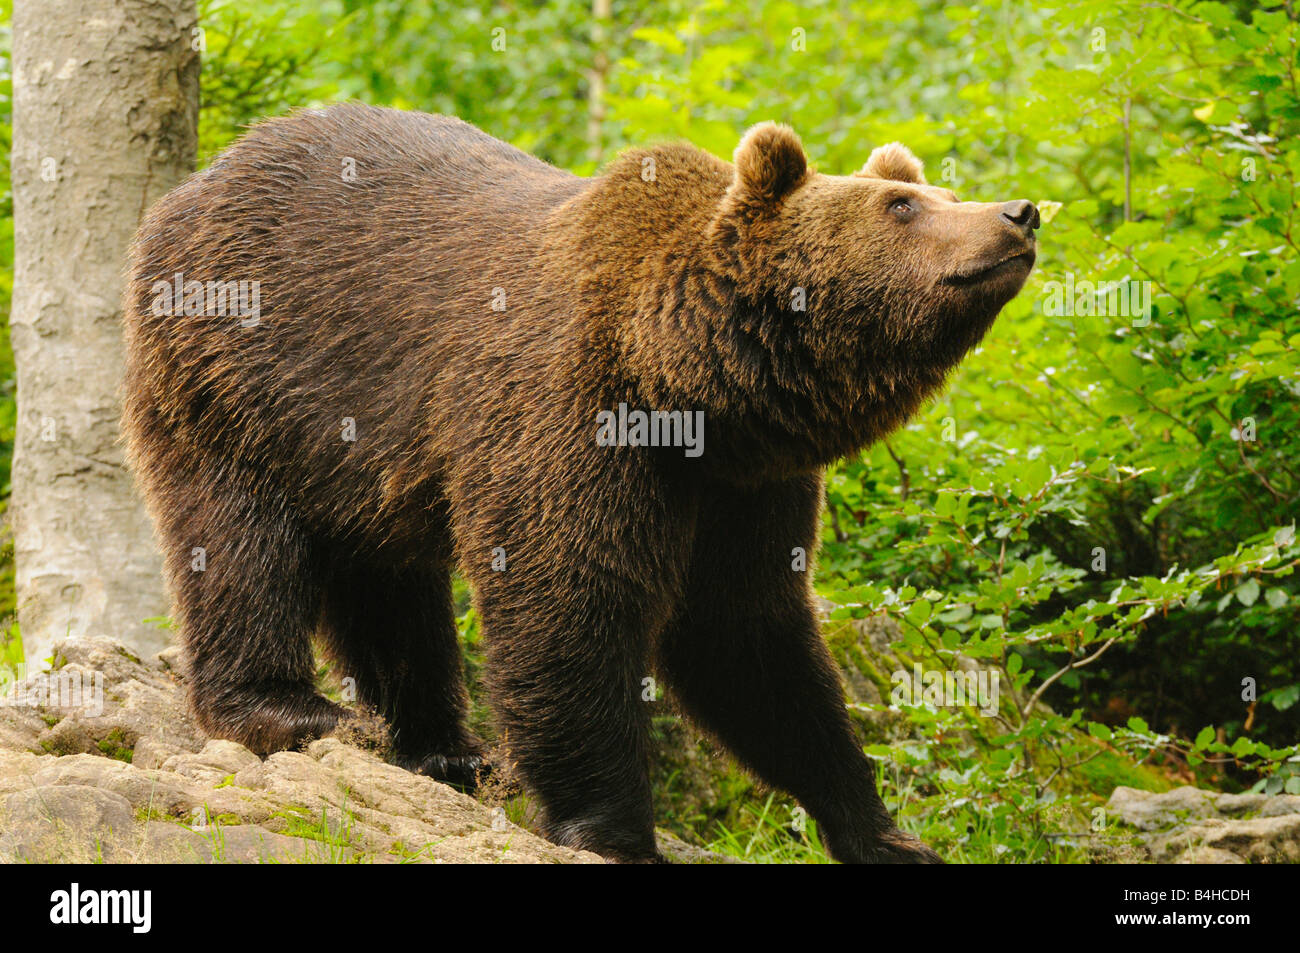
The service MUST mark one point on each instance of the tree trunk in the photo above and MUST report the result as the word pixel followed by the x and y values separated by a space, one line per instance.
pixel 105 116
pixel 601 11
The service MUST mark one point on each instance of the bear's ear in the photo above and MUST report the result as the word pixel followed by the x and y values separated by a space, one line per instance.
pixel 894 161
pixel 770 164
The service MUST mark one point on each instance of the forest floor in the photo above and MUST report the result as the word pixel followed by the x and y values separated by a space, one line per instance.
pixel 100 761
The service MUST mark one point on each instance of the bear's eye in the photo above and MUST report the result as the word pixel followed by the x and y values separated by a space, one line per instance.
pixel 903 208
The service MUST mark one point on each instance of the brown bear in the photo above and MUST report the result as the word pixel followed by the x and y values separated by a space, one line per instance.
pixel 368 347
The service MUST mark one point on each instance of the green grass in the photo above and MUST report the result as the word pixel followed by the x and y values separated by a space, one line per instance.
pixel 765 837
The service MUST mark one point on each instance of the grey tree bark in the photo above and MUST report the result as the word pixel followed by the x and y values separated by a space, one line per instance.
pixel 105 121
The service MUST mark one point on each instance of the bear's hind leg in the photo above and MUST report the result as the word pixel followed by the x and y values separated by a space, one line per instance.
pixel 394 632
pixel 247 596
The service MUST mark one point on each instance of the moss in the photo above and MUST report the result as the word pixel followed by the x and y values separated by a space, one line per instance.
pixel 116 753
pixel 226 782
pixel 125 653
pixel 335 837
pixel 696 788
pixel 298 821
pixel 116 746
pixel 863 663
pixel 296 811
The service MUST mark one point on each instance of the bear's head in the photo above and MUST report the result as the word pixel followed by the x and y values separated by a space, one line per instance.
pixel 860 293
pixel 917 271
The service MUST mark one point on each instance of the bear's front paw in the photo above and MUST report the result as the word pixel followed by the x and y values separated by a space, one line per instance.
pixel 891 846
pixel 899 847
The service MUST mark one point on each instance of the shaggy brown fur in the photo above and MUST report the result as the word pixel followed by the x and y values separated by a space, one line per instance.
pixel 673 281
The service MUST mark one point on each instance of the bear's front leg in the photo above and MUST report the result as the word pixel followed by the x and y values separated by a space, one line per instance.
pixel 571 593
pixel 745 659
pixel 565 668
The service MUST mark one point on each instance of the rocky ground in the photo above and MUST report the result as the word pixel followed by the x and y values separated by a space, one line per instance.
pixel 139 783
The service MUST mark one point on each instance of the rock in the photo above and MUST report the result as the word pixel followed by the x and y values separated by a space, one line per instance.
pixel 1192 826
pixel 150 752
pixel 249 844
pixel 172 659
pixel 98 654
pixel 1208 855
pixel 138 708
pixel 1262 840
pixel 217 761
pixel 677 851
pixel 18 768
pixel 66 737
pixel 161 842
pixel 1237 804
pixel 101 693
pixel 72 823
pixel 1149 812
pixel 1278 804
pixel 20 727
pixel 151 793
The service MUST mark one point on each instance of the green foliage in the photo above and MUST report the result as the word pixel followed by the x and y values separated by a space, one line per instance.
pixel 259 61
pixel 1110 483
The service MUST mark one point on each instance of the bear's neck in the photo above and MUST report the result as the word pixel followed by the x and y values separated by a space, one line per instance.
pixel 773 400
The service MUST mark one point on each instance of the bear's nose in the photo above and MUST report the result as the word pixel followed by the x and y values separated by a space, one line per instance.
pixel 1021 213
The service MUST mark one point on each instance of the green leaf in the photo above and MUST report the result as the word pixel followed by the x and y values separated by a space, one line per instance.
pixel 918 613
pixel 1285 697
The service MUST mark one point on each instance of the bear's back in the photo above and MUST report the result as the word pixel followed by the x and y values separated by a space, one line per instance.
pixel 360 181
pixel 349 142
pixel 374 239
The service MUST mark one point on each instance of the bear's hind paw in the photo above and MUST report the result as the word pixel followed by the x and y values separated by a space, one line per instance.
pixel 466 772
